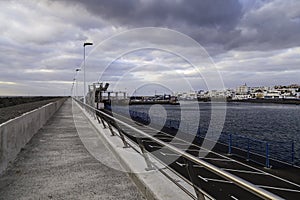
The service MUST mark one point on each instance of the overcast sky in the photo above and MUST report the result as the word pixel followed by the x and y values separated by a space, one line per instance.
pixel 250 41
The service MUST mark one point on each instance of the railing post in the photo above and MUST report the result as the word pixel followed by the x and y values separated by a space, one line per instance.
pixel 248 149
pixel 193 178
pixel 100 116
pixel 145 155
pixel 95 114
pixel 104 126
pixel 110 128
pixel 293 152
pixel 267 155
pixel 229 144
pixel 122 137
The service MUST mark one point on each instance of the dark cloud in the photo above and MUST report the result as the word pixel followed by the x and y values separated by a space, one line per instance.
pixel 230 24
pixel 220 13
pixel 207 21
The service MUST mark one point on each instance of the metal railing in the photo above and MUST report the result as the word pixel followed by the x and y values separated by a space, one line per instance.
pixel 190 159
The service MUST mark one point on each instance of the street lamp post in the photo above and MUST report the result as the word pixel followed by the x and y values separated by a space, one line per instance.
pixel 84 84
pixel 73 89
pixel 76 86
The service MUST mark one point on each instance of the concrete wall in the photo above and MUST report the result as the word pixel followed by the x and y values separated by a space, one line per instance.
pixel 15 133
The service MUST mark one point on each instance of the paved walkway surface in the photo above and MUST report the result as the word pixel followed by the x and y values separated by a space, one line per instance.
pixel 56 165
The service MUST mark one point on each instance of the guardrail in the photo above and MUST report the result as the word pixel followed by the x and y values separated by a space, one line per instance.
pixel 189 159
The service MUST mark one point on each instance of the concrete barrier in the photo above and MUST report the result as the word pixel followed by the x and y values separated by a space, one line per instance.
pixel 17 132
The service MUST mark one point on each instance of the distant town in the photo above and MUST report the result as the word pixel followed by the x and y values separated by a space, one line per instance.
pixel 244 92
pixel 289 94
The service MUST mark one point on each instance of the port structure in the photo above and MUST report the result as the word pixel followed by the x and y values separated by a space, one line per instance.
pixel 215 176
pixel 99 97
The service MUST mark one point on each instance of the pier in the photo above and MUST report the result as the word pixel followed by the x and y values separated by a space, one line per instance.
pixel 59 162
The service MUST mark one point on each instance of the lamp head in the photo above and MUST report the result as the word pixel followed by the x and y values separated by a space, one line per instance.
pixel 87 43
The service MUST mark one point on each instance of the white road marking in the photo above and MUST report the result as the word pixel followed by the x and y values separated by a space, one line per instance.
pixel 198 166
pixel 168 154
pixel 218 180
pixel 204 179
pixel 233 197
pixel 153 146
pixel 181 164
pixel 277 188
pixel 212 179
pixel 244 171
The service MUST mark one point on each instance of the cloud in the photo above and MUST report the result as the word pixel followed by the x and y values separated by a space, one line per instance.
pixel 253 40
pixel 233 24
pixel 273 25
pixel 19 22
pixel 259 68
pixel 256 61
pixel 43 35
pixel 208 21
pixel 164 12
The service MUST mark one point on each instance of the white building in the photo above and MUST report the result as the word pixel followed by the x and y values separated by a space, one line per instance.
pixel 273 95
pixel 241 96
pixel 244 89
pixel 217 94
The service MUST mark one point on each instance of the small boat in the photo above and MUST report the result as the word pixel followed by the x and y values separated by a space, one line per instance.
pixel 157 99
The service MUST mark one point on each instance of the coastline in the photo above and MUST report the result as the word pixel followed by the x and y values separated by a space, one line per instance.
pixel 276 101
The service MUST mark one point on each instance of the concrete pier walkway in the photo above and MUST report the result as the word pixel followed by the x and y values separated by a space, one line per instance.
pixel 56 165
